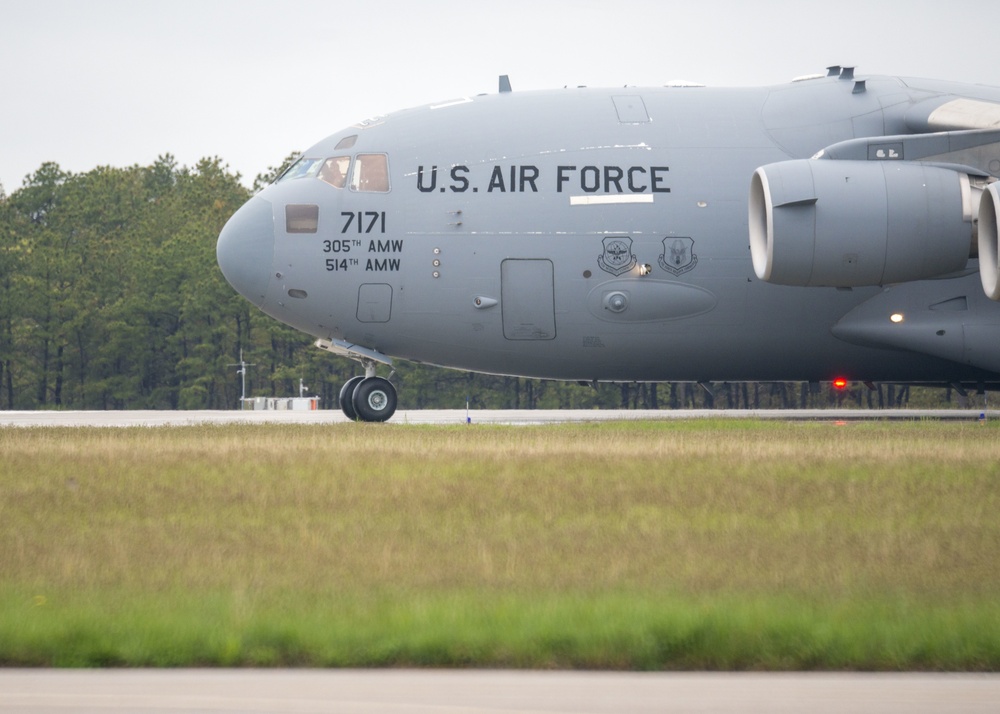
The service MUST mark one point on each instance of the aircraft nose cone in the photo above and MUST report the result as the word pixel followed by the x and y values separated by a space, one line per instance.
pixel 245 250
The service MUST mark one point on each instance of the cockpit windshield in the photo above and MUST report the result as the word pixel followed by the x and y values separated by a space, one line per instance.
pixel 369 173
pixel 334 171
pixel 302 168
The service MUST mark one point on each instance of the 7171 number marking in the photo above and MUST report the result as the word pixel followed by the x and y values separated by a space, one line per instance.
pixel 363 221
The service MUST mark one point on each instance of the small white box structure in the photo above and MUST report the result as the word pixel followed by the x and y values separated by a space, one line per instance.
pixel 282 404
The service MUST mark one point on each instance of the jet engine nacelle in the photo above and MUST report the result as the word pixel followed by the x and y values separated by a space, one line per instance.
pixel 859 223
pixel 989 241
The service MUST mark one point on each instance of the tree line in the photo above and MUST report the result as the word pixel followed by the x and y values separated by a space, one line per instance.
pixel 110 298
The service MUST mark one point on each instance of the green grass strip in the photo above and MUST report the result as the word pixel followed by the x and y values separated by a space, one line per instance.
pixel 465 629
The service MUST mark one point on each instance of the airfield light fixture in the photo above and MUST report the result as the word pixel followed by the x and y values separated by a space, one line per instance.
pixel 840 383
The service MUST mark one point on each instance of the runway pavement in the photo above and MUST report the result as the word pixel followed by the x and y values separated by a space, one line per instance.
pixel 496 692
pixel 474 416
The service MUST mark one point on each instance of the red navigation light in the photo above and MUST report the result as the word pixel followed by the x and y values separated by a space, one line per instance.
pixel 840 383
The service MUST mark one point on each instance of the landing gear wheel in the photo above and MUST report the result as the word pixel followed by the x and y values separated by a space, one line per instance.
pixel 346 397
pixel 374 399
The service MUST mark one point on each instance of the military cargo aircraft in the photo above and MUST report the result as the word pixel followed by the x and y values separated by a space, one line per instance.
pixel 837 226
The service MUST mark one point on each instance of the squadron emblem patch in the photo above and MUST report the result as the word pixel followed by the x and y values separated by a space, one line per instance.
pixel 617 257
pixel 678 255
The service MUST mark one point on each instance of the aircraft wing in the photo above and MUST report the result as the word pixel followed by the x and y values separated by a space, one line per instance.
pixel 954 115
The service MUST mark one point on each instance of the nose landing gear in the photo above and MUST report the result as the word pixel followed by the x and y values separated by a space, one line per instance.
pixel 367 398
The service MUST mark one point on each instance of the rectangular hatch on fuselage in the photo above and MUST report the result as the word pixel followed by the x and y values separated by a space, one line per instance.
pixel 527 299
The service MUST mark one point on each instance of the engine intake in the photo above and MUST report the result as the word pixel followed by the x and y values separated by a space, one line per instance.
pixel 859 223
pixel 989 241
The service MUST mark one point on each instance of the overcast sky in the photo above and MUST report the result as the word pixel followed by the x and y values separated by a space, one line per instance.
pixel 85 83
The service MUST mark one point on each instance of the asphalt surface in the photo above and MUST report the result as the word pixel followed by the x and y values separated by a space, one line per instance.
pixel 495 692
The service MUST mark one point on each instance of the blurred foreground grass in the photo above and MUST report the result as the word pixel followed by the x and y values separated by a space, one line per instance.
pixel 618 545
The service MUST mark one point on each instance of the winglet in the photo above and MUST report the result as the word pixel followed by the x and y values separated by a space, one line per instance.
pixel 504 83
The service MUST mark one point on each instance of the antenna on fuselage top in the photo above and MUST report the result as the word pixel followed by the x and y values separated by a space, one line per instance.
pixel 504 83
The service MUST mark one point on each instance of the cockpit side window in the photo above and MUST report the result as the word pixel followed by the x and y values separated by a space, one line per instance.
pixel 371 173
pixel 301 218
pixel 301 169
pixel 334 171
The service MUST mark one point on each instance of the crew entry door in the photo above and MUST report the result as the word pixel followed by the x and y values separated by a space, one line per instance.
pixel 527 299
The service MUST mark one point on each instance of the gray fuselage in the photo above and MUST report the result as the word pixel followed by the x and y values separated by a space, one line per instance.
pixel 586 234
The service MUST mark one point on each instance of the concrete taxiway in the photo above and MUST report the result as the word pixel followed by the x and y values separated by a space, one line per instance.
pixel 497 692
pixel 474 416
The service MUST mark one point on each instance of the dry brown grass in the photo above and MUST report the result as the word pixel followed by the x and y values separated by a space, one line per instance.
pixel 814 509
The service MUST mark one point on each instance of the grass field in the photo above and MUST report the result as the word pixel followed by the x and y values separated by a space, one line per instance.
pixel 680 545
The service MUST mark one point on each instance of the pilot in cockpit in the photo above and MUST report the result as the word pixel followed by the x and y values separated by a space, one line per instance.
pixel 334 171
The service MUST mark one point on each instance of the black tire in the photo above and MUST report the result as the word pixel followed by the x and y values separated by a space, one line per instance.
pixel 346 397
pixel 375 399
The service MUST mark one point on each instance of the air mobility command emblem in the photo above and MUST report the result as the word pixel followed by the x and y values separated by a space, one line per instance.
pixel 617 257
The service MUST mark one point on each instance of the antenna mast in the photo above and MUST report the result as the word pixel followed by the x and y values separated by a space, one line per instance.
pixel 242 371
